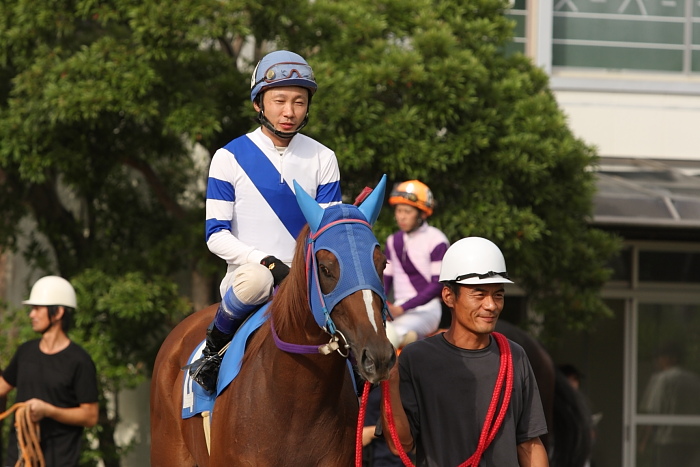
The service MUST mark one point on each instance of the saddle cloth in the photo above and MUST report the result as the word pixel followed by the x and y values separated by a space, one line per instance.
pixel 194 399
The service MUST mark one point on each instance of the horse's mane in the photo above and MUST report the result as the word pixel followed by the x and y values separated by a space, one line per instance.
pixel 290 304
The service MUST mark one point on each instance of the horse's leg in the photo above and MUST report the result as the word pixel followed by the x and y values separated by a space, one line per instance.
pixel 174 441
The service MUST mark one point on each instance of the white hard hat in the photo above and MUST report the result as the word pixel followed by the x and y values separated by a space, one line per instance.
pixel 474 260
pixel 52 290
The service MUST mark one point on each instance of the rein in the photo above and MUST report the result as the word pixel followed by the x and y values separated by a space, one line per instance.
pixel 361 424
pixel 490 427
pixel 27 436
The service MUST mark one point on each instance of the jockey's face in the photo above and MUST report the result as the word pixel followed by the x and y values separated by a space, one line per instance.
pixel 285 107
pixel 408 218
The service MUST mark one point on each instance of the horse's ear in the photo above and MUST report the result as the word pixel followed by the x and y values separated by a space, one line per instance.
pixel 371 206
pixel 313 212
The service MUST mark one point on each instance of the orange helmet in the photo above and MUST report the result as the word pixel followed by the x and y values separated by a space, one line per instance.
pixel 413 193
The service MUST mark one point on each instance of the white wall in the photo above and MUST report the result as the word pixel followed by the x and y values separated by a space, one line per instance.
pixel 635 125
pixel 135 425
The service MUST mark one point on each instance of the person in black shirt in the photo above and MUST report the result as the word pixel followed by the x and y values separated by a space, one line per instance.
pixel 54 376
pixel 444 387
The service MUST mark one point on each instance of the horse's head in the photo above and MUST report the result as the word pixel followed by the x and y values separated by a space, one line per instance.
pixel 344 266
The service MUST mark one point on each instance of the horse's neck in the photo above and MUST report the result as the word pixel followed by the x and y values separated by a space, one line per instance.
pixel 300 330
pixel 304 373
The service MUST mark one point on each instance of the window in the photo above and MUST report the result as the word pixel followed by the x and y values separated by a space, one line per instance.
pixel 669 266
pixel 668 368
pixel 517 13
pixel 650 35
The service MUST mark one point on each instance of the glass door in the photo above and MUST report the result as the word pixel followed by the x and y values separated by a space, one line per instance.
pixel 666 418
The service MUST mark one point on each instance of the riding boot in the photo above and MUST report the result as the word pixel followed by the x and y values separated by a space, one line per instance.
pixel 252 285
pixel 205 371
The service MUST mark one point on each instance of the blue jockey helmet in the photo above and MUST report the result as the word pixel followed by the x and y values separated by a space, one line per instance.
pixel 282 68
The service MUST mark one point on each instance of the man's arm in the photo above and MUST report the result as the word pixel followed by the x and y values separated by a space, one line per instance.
pixel 5 387
pixel 403 428
pixel 220 198
pixel 532 453
pixel 84 415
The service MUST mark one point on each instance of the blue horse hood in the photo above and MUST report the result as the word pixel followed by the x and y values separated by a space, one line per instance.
pixel 354 250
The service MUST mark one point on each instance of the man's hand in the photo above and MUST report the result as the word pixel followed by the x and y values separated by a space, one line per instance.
pixel 85 414
pixel 278 269
pixel 38 409
pixel 400 419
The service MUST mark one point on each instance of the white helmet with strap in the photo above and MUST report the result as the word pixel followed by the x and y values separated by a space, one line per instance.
pixel 52 290
pixel 474 260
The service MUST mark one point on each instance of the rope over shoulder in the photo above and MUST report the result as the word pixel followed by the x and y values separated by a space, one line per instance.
pixel 28 436
pixel 491 426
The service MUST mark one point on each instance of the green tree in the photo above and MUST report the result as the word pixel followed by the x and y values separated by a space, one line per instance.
pixel 121 322
pixel 103 103
pixel 101 107
pixel 425 91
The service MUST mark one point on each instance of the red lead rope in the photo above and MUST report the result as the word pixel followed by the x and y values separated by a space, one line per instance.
pixel 488 431
pixel 361 425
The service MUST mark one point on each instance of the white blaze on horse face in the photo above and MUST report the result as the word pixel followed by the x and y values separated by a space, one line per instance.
pixel 367 296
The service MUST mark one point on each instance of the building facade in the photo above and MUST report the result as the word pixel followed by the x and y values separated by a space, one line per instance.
pixel 627 75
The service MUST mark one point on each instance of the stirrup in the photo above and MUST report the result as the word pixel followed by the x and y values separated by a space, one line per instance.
pixel 206 370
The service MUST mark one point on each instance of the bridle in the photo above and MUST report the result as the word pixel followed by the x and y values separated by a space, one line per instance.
pixel 321 304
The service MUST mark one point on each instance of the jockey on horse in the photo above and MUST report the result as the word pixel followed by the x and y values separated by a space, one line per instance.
pixel 252 215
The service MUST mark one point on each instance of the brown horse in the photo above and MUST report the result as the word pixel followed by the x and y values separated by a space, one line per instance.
pixel 288 408
pixel 568 442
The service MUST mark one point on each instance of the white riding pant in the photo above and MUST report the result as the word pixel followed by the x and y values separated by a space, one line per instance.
pixel 424 319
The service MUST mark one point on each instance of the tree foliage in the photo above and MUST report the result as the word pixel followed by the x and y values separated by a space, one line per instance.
pixel 121 322
pixel 103 103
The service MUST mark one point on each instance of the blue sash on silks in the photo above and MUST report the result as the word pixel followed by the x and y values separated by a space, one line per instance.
pixel 194 399
pixel 269 183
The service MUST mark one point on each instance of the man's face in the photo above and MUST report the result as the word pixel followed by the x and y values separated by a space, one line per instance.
pixel 285 107
pixel 408 218
pixel 478 306
pixel 39 315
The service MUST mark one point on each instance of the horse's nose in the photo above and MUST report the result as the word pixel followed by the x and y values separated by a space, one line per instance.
pixel 376 368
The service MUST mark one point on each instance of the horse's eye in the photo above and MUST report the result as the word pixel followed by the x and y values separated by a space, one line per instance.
pixel 324 270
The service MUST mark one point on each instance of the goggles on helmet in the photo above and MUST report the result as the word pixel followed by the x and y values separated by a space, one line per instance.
pixel 285 70
pixel 406 195
pixel 482 276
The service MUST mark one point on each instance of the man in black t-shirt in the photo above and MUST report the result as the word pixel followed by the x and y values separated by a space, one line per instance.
pixel 468 394
pixel 55 377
